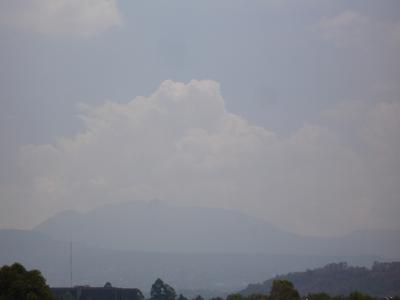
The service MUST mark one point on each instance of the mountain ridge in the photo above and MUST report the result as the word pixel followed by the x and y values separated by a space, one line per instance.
pixel 381 280
pixel 157 226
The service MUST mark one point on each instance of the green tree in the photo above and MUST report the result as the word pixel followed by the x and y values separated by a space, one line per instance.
pixel 217 298
pixel 283 290
pixel 198 297
pixel 257 297
pixel 181 297
pixel 359 296
pixel 162 291
pixel 319 296
pixel 16 283
pixel 236 296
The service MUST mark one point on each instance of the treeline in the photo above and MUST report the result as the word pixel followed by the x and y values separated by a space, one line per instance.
pixel 280 290
pixel 17 283
pixel 381 280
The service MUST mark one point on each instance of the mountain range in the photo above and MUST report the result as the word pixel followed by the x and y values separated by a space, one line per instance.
pixel 159 227
pixel 192 248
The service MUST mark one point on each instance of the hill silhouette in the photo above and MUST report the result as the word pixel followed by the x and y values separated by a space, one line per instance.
pixel 160 227
pixel 216 272
pixel 381 280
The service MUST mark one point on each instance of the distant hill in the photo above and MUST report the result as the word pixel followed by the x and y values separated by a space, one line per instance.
pixel 383 279
pixel 155 226
pixel 159 227
pixel 219 273
pixel 192 248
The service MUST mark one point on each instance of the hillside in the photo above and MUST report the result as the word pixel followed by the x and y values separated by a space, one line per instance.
pixel 193 248
pixel 156 226
pixel 160 227
pixel 382 279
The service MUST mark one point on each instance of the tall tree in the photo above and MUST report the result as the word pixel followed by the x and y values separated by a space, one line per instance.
pixel 18 283
pixel 283 290
pixel 162 291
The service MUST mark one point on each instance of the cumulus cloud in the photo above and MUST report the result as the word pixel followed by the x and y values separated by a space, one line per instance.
pixel 181 145
pixel 76 18
pixel 351 28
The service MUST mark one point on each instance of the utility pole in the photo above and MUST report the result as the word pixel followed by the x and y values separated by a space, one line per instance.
pixel 70 263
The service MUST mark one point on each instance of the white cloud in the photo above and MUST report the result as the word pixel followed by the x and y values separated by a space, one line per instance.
pixel 352 28
pixel 74 18
pixel 181 145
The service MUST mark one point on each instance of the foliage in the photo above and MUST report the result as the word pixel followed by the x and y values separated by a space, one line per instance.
pixel 283 290
pixel 198 297
pixel 257 297
pixel 217 298
pixel 18 283
pixel 181 297
pixel 319 296
pixel 359 296
pixel 381 280
pixel 235 297
pixel 162 291
pixel 238 296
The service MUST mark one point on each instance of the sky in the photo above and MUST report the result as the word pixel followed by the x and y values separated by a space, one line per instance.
pixel 284 110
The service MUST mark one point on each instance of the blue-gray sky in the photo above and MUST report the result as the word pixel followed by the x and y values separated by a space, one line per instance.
pixel 297 121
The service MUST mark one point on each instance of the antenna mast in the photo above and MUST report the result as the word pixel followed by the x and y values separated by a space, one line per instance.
pixel 70 263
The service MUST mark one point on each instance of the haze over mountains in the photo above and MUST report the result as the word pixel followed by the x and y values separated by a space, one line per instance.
pixel 159 227
pixel 269 130
pixel 193 248
pixel 192 272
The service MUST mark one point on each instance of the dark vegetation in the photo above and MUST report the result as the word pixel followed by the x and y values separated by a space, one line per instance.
pixel 381 280
pixel 209 274
pixel 16 283
pixel 281 289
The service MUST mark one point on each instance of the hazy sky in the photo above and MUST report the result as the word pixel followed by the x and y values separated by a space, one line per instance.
pixel 286 110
